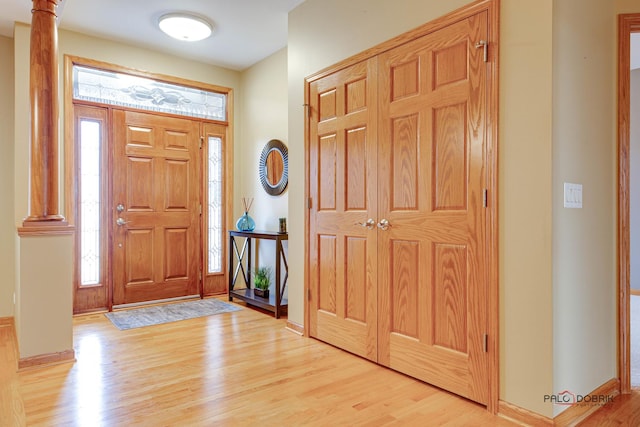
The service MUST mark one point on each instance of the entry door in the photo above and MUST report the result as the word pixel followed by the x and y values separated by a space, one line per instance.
pixel 400 139
pixel 342 245
pixel 431 258
pixel 156 212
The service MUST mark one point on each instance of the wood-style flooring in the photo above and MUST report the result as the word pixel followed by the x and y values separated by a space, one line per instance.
pixel 623 412
pixel 232 369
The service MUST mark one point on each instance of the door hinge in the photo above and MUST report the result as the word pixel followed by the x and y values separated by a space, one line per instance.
pixel 201 141
pixel 485 343
pixel 309 294
pixel 484 197
pixel 200 209
pixel 199 274
pixel 485 46
pixel 309 203
pixel 307 108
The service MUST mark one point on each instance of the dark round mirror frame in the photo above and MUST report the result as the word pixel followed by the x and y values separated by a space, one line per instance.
pixel 277 189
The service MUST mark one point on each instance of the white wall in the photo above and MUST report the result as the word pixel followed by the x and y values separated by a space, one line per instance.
pixel 7 230
pixel 584 152
pixel 634 176
pixel 264 109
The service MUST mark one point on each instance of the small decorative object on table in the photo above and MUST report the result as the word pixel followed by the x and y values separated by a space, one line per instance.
pixel 283 225
pixel 262 281
pixel 245 222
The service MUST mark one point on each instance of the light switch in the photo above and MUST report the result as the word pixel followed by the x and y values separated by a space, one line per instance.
pixel 572 195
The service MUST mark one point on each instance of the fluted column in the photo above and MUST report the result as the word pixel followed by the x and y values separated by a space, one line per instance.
pixel 43 197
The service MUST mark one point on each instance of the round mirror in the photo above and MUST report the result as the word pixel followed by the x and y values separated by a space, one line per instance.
pixel 274 167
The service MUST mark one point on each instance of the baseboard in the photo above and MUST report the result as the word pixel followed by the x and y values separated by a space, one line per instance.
pixel 522 416
pixel 47 359
pixel 579 411
pixel 570 417
pixel 7 321
pixel 295 328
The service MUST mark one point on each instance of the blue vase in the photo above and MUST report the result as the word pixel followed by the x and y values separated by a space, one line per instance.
pixel 245 223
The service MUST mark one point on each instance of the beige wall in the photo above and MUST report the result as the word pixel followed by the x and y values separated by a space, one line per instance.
pixel 46 300
pixel 584 152
pixel 525 145
pixel 322 32
pixel 7 230
pixel 627 6
pixel 53 254
pixel 263 116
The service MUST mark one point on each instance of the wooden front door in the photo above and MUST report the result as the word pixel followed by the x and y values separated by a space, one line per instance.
pixel 342 247
pixel 402 139
pixel 433 284
pixel 156 212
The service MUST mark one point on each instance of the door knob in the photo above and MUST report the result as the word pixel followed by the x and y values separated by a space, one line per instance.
pixel 369 224
pixel 121 222
pixel 384 224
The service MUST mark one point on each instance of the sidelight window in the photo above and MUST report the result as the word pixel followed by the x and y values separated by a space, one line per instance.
pixel 90 192
pixel 215 205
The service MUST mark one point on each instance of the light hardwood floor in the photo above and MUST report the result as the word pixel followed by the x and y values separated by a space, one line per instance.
pixel 231 369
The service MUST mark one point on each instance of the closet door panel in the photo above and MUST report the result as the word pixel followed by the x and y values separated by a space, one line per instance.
pixel 432 282
pixel 343 190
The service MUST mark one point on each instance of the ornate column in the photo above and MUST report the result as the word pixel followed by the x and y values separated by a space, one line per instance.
pixel 43 197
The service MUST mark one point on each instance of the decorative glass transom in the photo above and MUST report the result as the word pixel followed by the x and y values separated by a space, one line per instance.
pixel 109 87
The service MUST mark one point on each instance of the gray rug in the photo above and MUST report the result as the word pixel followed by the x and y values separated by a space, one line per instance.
pixel 156 315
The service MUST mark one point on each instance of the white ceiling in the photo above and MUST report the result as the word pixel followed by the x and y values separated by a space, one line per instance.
pixel 246 31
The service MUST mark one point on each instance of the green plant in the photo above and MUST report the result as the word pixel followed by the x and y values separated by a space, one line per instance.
pixel 262 277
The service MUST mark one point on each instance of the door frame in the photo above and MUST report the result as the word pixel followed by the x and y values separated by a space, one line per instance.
pixel 492 8
pixel 70 178
pixel 627 24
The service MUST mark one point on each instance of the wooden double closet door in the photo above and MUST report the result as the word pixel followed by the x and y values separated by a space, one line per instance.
pixel 398 219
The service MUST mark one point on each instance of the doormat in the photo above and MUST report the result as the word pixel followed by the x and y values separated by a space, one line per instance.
pixel 157 315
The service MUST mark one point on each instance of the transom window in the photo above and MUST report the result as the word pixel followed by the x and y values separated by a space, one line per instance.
pixel 126 90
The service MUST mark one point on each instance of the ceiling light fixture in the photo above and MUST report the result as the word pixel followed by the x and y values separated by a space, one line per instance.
pixel 185 27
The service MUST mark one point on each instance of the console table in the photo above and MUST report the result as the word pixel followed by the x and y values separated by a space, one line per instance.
pixel 240 266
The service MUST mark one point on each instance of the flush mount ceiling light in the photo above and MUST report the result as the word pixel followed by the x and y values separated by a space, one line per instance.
pixel 185 27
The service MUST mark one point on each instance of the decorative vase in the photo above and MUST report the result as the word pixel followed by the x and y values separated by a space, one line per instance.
pixel 245 223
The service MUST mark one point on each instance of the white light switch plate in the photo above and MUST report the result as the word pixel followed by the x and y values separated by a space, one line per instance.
pixel 572 195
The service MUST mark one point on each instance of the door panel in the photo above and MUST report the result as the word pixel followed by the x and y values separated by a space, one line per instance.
pixel 156 179
pixel 432 282
pixel 343 156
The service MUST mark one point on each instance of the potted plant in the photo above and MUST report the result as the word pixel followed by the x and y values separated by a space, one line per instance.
pixel 262 281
